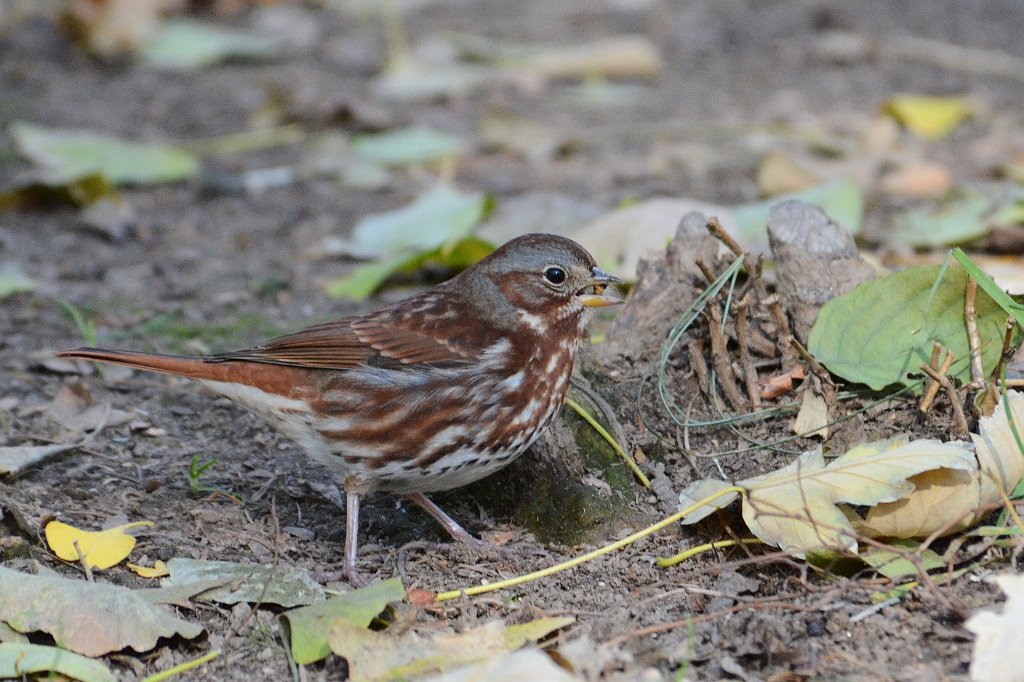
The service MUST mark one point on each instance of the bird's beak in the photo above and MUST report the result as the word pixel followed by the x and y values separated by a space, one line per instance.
pixel 598 298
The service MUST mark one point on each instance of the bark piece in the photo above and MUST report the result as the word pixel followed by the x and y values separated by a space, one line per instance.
pixel 816 261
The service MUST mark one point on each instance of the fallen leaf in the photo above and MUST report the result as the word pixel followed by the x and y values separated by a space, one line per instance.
pixel 1000 457
pixel 76 153
pixel 92 619
pixel 18 661
pixel 997 642
pixel 613 57
pixel 883 331
pixel 894 564
pixel 185 44
pixel 53 187
pixel 929 117
pixel 74 409
pixel 15 459
pixel 112 28
pixel 440 215
pixel 530 665
pixel 308 624
pixel 101 549
pixel 157 570
pixel 779 174
pixel 801 507
pixel 252 583
pixel 781 384
pixel 960 218
pixel 408 146
pixel 920 180
pixel 813 417
pixel 366 279
pixel 374 656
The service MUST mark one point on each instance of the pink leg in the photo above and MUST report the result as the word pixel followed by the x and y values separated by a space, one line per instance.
pixel 352 539
pixel 449 524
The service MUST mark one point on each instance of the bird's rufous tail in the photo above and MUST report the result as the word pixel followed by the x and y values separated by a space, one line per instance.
pixel 195 368
pixel 283 380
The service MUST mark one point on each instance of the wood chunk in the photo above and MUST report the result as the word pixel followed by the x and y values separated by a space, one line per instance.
pixel 816 261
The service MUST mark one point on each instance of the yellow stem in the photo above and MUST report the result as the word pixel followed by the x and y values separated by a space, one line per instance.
pixel 611 441
pixel 182 667
pixel 572 563
pixel 693 551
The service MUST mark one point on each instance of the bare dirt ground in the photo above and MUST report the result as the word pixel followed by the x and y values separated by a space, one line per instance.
pixel 230 269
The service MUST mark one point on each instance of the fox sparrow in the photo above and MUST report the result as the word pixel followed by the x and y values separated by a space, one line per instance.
pixel 428 394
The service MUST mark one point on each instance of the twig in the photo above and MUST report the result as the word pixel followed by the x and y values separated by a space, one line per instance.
pixel 811 361
pixel 720 361
pixel 785 334
pixel 749 371
pixel 1004 355
pixel 700 367
pixel 933 386
pixel 716 229
pixel 973 337
pixel 954 397
pixel 81 560
pixel 704 269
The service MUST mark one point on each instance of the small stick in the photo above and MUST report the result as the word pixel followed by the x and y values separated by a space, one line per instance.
pixel 716 229
pixel 933 386
pixel 1004 354
pixel 700 367
pixel 720 361
pixel 704 270
pixel 81 560
pixel 749 371
pixel 784 332
pixel 810 360
pixel 973 337
pixel 954 397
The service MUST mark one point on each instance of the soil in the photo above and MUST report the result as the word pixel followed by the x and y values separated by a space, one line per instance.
pixel 211 269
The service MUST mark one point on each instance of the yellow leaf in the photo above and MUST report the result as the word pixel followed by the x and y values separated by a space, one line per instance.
pixel 929 117
pixel 101 549
pixel 158 570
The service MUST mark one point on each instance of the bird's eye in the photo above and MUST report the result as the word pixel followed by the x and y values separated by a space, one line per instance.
pixel 554 275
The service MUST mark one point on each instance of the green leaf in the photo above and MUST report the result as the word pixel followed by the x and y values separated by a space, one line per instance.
pixel 893 565
pixel 308 624
pixel 439 215
pixel 378 656
pixel 13 280
pixel 89 618
pixel 408 146
pixel 246 582
pixel 368 278
pixel 842 201
pixel 74 153
pixel 989 286
pixel 952 222
pixel 184 44
pixel 20 660
pixel 47 187
pixel 882 331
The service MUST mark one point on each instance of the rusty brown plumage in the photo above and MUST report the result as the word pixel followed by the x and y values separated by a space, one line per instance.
pixel 427 394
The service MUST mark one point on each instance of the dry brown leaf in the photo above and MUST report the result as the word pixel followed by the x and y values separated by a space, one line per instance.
pixel 813 417
pixel 778 174
pixel 74 409
pixel 919 180
pixel 953 500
